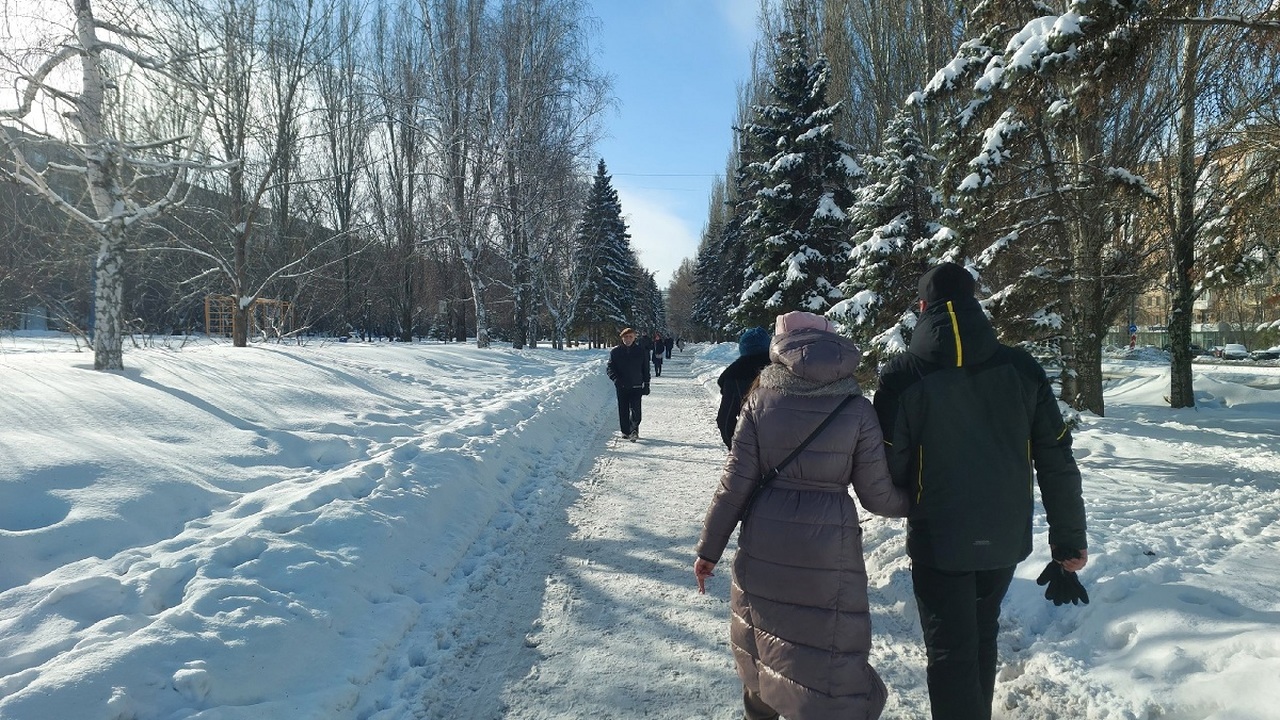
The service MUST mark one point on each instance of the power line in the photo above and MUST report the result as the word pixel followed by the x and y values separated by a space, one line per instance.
pixel 667 174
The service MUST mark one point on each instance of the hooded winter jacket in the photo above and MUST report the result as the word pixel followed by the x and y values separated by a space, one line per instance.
pixel 971 426
pixel 800 624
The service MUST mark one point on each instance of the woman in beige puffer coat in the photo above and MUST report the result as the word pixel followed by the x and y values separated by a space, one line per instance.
pixel 800 625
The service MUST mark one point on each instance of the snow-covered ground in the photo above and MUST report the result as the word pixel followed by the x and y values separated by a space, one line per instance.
pixel 387 531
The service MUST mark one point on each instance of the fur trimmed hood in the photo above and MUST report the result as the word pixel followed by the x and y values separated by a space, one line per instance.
pixel 812 362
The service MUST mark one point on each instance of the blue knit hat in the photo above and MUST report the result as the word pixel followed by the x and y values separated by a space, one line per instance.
pixel 753 340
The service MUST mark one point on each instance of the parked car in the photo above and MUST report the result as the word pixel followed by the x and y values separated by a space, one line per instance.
pixel 1196 350
pixel 1271 353
pixel 1234 351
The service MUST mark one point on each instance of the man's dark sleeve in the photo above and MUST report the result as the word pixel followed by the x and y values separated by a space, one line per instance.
pixel 887 403
pixel 1056 471
pixel 727 415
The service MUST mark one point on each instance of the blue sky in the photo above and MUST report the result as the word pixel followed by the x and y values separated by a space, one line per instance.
pixel 676 67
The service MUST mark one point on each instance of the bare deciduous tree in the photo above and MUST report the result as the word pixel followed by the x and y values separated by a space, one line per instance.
pixel 87 75
pixel 549 102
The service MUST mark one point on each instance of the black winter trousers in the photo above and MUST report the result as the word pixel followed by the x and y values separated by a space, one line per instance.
pixel 629 408
pixel 960 618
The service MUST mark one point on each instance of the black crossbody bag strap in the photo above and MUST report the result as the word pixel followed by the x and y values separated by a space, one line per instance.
pixel 769 476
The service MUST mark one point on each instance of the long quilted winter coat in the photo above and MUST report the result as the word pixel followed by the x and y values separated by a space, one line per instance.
pixel 800 625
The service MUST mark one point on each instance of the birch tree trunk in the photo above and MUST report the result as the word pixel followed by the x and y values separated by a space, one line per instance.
pixel 460 92
pixel 102 166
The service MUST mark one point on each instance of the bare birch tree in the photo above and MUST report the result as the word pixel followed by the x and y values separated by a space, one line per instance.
pixel 550 100
pixel 86 74
pixel 259 68
pixel 459 92
pixel 400 69
pixel 346 122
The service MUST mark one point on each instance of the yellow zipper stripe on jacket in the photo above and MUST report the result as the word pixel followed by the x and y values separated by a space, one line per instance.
pixel 955 329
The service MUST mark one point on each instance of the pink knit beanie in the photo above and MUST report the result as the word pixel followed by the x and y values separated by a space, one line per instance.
pixel 800 320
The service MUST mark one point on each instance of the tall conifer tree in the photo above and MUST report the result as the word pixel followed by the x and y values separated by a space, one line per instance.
pixel 603 252
pixel 897 235
pixel 1036 179
pixel 795 225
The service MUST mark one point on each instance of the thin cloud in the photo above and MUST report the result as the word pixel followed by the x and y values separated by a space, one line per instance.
pixel 740 15
pixel 660 237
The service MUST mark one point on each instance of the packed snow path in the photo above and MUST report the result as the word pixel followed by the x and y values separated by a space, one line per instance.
pixel 623 632
pixel 604 620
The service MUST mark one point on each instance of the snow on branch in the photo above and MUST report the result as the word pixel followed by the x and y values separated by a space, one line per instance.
pixel 992 153
pixel 1128 178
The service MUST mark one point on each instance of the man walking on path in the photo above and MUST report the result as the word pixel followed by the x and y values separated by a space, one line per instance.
pixel 658 345
pixel 966 420
pixel 628 368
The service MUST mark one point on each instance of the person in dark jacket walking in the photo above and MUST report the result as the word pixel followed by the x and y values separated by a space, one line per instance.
pixel 967 422
pixel 658 346
pixel 801 626
pixel 628 368
pixel 646 344
pixel 736 379
pixel 669 342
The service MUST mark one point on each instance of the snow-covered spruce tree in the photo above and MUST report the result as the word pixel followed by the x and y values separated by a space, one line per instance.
pixel 649 314
pixel 709 274
pixel 603 250
pixel 796 227
pixel 1029 171
pixel 722 257
pixel 897 235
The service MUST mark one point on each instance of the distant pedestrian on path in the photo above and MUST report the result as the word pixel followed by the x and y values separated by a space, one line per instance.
pixel 967 420
pixel 628 368
pixel 736 380
pixel 801 627
pixel 659 346
pixel 669 342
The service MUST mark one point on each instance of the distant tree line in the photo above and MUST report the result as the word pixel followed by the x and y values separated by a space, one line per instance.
pixel 398 170
pixel 1073 154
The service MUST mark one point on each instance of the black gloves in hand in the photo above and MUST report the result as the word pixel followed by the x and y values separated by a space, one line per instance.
pixel 1061 586
pixel 646 389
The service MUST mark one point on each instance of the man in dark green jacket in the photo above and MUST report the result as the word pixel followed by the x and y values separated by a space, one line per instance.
pixel 970 425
